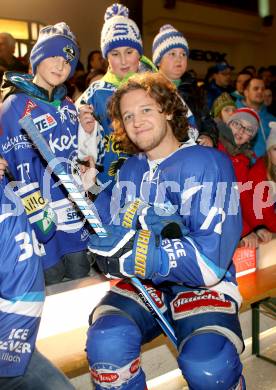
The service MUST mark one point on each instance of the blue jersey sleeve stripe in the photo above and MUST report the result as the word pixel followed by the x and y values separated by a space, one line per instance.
pixel 30 309
pixel 30 297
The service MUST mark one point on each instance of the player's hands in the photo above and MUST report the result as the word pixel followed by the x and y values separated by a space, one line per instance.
pixel 86 118
pixel 250 241
pixel 205 140
pixel 140 215
pixel 264 235
pixel 127 253
pixel 3 166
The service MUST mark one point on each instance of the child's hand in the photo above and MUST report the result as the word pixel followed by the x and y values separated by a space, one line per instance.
pixel 87 120
pixel 264 235
pixel 250 241
pixel 3 166
pixel 205 140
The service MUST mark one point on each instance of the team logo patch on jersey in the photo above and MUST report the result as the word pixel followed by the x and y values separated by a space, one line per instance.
pixel 45 122
pixel 30 105
pixel 190 303
pixel 129 291
pixel 48 220
pixel 33 202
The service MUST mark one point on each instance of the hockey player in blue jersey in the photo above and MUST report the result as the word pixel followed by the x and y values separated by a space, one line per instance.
pixel 54 217
pixel 121 45
pixel 21 301
pixel 174 222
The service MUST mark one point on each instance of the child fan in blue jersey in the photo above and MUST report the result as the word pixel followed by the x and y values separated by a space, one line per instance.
pixel 56 221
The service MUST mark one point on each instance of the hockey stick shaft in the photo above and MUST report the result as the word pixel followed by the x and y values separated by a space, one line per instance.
pixel 146 298
pixel 58 169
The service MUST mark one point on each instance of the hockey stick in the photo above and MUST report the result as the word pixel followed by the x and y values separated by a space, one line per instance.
pixel 91 216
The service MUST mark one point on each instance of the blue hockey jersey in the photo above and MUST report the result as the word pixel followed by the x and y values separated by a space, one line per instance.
pixel 199 184
pixel 57 223
pixel 110 155
pixel 21 286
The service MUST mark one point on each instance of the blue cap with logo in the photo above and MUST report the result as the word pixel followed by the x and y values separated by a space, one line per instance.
pixel 56 40
pixel 221 66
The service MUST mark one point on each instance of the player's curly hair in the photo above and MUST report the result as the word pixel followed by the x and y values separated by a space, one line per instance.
pixel 163 92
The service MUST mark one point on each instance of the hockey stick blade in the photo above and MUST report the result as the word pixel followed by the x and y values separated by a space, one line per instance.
pixel 44 149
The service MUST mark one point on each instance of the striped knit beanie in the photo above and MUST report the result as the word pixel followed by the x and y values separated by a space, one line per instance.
pixel 119 31
pixel 168 38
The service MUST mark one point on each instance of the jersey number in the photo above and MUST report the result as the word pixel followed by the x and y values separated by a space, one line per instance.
pixel 28 246
pixel 214 212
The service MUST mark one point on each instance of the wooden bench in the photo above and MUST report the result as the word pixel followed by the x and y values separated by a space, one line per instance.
pixel 259 293
pixel 66 350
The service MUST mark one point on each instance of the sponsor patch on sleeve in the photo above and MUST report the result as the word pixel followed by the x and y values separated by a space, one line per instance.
pixel 45 122
pixel 33 202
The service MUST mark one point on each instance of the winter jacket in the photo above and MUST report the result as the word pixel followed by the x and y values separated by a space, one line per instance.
pixel 240 158
pixel 261 207
pixel 213 91
pixel 195 100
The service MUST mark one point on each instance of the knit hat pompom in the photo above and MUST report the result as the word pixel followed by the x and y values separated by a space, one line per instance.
pixel 248 114
pixel 55 40
pixel 166 27
pixel 168 38
pixel 119 31
pixel 271 140
pixel 116 9
pixel 222 101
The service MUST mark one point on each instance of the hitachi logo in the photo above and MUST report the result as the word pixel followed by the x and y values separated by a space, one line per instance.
pixel 141 252
pixel 10 358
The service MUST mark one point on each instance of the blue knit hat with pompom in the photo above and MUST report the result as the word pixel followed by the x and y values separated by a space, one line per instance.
pixel 56 40
pixel 119 31
pixel 168 38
